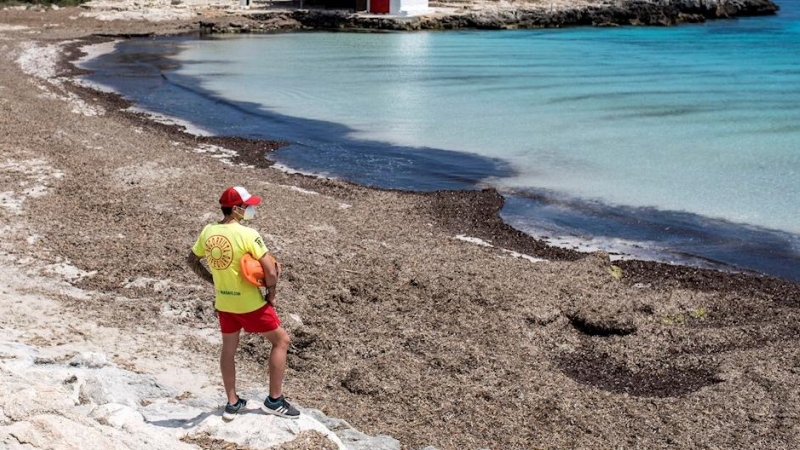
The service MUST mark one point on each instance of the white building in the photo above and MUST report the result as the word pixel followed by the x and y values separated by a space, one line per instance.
pixel 398 7
pixel 409 7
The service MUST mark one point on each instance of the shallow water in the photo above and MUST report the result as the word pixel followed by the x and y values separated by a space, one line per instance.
pixel 679 143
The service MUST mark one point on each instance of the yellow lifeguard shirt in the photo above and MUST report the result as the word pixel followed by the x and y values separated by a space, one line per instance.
pixel 223 245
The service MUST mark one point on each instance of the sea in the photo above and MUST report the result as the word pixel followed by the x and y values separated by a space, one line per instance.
pixel 677 144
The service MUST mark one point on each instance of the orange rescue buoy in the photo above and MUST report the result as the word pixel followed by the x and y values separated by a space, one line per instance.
pixel 252 270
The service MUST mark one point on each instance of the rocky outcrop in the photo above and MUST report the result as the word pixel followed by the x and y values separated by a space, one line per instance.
pixel 632 12
pixel 86 402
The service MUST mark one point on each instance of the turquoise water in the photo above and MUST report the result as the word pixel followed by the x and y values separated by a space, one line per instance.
pixel 695 119
pixel 682 140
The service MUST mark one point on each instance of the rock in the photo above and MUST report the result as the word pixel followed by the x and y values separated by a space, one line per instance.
pixel 90 360
pixel 117 416
pixel 44 360
pixel 634 12
pixel 255 429
pixel 119 409
pixel 352 438
pixel 114 385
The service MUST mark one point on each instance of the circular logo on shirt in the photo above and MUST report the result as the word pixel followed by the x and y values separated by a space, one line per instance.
pixel 219 252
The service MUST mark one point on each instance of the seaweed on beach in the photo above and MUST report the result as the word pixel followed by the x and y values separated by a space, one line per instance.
pixel 398 327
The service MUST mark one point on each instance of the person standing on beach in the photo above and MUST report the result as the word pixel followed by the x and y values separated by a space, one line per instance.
pixel 240 304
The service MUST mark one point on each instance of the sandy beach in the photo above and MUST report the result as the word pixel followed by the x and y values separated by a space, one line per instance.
pixel 418 316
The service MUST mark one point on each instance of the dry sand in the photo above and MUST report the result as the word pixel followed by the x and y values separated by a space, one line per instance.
pixel 403 322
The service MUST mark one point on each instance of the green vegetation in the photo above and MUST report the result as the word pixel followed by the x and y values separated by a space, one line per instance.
pixel 699 313
pixel 615 271
pixel 695 314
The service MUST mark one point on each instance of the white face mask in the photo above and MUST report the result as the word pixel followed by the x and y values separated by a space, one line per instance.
pixel 249 213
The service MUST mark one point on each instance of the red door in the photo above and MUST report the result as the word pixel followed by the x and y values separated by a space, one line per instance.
pixel 379 6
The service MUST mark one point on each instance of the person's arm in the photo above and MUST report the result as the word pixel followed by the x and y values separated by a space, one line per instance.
pixel 270 277
pixel 198 268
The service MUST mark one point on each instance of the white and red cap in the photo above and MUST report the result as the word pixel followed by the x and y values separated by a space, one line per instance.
pixel 237 196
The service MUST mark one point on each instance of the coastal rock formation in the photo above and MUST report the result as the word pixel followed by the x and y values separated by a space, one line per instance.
pixel 87 402
pixel 632 12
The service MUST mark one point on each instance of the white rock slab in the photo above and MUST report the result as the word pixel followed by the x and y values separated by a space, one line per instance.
pixel 89 403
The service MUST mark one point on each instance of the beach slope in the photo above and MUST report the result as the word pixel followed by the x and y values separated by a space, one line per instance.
pixel 418 316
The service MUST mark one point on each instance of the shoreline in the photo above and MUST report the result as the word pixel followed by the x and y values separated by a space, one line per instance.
pixel 249 151
pixel 456 211
pixel 488 16
pixel 390 298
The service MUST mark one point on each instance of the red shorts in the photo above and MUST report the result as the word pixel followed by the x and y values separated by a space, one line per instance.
pixel 259 321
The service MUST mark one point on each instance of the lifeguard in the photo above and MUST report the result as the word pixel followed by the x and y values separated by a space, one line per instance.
pixel 239 303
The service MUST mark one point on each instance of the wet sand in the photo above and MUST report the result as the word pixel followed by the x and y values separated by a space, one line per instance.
pixel 404 321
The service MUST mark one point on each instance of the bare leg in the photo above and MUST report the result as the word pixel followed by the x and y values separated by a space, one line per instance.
pixel 279 339
pixel 227 363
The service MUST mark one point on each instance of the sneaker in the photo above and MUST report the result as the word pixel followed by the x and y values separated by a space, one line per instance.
pixel 232 410
pixel 280 408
